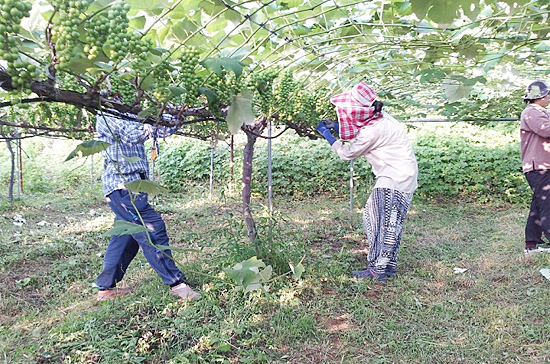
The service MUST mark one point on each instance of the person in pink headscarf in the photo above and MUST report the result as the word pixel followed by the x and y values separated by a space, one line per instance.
pixel 365 130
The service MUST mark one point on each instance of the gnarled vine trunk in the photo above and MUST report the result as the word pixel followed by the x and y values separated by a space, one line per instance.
pixel 252 133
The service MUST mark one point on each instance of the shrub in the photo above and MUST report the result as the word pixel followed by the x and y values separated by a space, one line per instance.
pixel 43 167
pixel 455 161
pixel 469 161
pixel 188 161
pixel 304 167
pixel 300 166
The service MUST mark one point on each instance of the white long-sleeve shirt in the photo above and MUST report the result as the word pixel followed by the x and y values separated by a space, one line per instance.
pixel 387 148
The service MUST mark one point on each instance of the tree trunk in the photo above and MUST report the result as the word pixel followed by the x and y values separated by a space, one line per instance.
pixel 248 154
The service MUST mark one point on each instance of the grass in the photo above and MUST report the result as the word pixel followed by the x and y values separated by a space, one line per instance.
pixel 494 312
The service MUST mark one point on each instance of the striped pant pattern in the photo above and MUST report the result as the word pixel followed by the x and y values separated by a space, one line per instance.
pixel 383 219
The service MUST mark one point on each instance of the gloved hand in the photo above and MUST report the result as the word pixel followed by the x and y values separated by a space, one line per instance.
pixel 160 131
pixel 323 129
pixel 332 125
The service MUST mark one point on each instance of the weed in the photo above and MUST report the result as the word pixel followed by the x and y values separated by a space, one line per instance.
pixel 492 310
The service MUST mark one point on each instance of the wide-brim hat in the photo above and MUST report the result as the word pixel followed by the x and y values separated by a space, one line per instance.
pixel 361 95
pixel 536 90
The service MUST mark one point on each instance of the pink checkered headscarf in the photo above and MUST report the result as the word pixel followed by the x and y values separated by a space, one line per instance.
pixel 354 109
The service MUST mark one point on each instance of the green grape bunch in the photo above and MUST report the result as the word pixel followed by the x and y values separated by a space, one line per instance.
pixel 105 33
pixel 324 107
pixel 187 76
pixel 109 32
pixel 306 107
pixel 263 82
pixel 162 73
pixel 284 95
pixel 235 84
pixel 125 89
pixel 22 71
pixel 65 33
pixel 218 83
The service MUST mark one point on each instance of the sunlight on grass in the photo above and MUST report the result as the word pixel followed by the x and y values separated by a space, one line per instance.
pixel 493 311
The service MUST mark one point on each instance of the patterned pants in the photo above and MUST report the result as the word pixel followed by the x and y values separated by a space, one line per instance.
pixel 383 219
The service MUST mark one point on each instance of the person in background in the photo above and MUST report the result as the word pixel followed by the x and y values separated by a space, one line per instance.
pixel 535 163
pixel 382 140
pixel 126 161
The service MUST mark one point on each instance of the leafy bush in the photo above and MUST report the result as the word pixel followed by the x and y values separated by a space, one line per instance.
pixel 455 161
pixel 469 161
pixel 304 167
pixel 43 167
pixel 187 161
pixel 300 166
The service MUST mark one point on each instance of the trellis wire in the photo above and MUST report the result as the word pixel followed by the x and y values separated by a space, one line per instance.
pixel 276 34
pixel 309 49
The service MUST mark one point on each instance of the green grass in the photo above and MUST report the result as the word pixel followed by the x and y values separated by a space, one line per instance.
pixel 495 312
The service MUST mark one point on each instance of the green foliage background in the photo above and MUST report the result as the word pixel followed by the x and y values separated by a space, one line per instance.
pixel 188 161
pixel 455 161
pixel 470 161
pixel 43 167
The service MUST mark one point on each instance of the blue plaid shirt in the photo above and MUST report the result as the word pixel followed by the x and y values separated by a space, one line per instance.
pixel 125 158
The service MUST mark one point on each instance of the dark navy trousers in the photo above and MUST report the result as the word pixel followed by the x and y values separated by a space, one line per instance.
pixel 123 248
pixel 538 221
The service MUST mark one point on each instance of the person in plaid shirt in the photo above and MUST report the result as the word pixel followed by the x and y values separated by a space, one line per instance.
pixel 126 161
pixel 365 130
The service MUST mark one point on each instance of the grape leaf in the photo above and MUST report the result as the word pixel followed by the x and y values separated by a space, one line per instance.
pixel 145 186
pixel 248 275
pixel 240 112
pixel 121 227
pixel 218 65
pixel 87 148
pixel 297 270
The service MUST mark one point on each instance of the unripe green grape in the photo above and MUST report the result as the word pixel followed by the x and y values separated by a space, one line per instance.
pixel 186 76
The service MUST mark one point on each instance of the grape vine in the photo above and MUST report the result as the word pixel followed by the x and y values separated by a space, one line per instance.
pixel 97 37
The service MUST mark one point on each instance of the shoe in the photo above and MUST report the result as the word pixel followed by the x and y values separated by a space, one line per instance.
pixel 112 293
pixel 390 273
pixel 182 290
pixel 369 273
pixel 538 249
